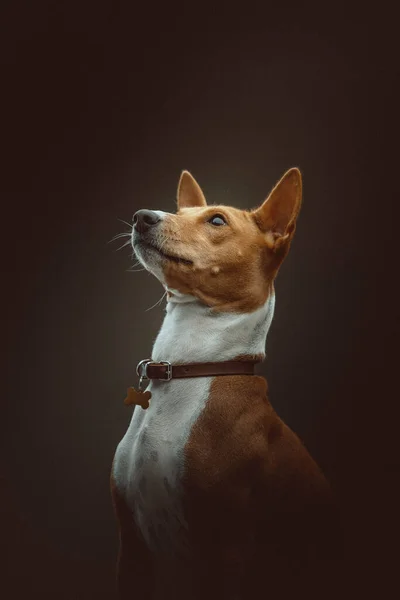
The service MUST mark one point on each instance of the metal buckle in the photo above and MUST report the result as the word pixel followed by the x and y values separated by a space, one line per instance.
pixel 141 370
pixel 169 370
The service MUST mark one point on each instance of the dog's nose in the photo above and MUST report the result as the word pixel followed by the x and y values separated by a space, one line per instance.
pixel 144 219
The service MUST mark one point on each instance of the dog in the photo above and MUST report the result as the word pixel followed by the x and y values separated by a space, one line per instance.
pixel 214 495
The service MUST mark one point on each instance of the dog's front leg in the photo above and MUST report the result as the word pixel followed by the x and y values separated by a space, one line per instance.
pixel 135 578
pixel 135 565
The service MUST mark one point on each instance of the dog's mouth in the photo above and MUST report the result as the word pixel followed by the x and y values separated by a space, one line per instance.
pixel 171 257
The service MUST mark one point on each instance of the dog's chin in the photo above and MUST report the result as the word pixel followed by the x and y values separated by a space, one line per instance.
pixel 150 263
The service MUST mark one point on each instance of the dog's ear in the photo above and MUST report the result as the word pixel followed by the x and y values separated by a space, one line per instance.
pixel 277 215
pixel 189 192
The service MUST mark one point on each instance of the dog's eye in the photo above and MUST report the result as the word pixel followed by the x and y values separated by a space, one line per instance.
pixel 217 220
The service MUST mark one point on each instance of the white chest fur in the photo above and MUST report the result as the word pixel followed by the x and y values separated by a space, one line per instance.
pixel 149 462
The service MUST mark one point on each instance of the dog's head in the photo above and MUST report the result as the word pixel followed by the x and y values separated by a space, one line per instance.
pixel 225 257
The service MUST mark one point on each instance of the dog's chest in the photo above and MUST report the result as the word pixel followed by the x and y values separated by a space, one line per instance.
pixel 150 461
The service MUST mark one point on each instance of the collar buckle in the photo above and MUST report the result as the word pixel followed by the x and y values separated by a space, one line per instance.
pixel 169 370
pixel 141 369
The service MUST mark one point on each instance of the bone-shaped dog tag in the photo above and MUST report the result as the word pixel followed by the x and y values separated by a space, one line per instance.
pixel 137 397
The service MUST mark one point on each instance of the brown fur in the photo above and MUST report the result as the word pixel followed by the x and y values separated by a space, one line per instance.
pixel 259 509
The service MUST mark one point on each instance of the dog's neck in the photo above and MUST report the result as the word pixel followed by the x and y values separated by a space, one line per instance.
pixel 192 332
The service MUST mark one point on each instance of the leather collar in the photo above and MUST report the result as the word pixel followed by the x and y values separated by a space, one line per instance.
pixel 165 371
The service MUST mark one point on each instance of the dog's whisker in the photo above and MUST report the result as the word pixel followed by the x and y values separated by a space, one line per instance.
pixel 126 223
pixel 137 263
pixel 123 246
pixel 163 242
pixel 158 301
pixel 135 270
pixel 123 234
pixel 118 236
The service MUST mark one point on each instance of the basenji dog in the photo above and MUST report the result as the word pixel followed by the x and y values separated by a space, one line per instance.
pixel 215 496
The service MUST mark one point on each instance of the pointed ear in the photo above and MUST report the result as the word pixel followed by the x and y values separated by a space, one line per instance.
pixel 189 192
pixel 277 215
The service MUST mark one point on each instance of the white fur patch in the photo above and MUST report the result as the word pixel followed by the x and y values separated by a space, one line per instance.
pixel 149 462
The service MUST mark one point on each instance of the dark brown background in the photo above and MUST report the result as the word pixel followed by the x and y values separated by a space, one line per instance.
pixel 103 107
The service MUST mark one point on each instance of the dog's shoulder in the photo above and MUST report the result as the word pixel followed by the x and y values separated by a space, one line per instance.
pixel 229 434
pixel 239 441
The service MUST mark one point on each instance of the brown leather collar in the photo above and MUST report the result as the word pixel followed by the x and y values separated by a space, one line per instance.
pixel 164 370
